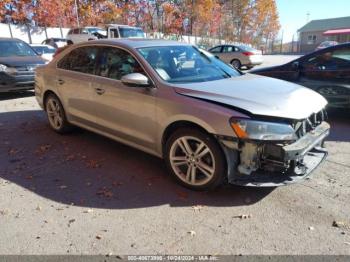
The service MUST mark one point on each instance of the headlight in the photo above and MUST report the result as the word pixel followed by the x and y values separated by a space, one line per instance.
pixel 259 130
pixel 8 70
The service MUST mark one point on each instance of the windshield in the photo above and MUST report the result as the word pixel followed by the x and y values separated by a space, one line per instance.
pixel 15 48
pixel 186 64
pixel 126 32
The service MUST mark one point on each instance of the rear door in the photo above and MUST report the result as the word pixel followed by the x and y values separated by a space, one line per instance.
pixel 230 53
pixel 75 83
pixel 328 73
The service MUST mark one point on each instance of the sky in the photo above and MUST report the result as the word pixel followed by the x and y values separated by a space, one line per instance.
pixel 293 13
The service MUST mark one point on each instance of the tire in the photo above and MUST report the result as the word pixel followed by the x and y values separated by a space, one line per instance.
pixel 202 170
pixel 236 63
pixel 56 115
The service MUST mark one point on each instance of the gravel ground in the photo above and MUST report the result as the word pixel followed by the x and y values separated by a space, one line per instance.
pixel 85 194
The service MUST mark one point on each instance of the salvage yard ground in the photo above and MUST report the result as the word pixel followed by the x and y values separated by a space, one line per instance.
pixel 85 194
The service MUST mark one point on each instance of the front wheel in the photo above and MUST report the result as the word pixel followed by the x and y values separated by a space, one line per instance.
pixel 195 159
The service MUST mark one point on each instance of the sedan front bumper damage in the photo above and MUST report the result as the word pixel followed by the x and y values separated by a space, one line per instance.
pixel 271 164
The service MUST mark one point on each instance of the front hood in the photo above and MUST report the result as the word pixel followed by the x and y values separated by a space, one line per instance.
pixel 17 61
pixel 258 95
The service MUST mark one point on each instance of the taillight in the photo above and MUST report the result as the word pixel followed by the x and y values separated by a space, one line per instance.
pixel 248 53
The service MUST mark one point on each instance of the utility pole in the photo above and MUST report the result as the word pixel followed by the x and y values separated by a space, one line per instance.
pixel 281 47
pixel 77 13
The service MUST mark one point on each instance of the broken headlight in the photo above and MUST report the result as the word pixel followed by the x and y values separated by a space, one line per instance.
pixel 260 130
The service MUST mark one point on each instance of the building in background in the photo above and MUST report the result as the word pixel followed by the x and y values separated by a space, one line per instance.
pixel 317 31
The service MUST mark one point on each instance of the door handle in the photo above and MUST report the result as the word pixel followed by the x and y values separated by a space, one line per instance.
pixel 60 81
pixel 100 91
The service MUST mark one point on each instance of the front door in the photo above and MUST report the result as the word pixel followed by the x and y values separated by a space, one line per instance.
pixel 124 112
pixel 328 73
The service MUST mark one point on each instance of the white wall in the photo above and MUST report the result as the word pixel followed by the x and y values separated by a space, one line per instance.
pixel 37 33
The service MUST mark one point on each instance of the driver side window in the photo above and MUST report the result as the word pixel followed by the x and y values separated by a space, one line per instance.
pixel 329 60
pixel 115 63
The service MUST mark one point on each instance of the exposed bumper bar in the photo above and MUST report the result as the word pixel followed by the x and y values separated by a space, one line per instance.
pixel 307 153
pixel 259 178
pixel 298 149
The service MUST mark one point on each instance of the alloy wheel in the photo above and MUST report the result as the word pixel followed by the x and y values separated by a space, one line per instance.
pixel 192 160
pixel 54 113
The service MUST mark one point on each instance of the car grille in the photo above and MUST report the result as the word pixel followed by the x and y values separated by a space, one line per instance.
pixel 305 126
pixel 28 70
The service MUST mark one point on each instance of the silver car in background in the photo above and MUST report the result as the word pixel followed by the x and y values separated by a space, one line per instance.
pixel 210 123
pixel 238 56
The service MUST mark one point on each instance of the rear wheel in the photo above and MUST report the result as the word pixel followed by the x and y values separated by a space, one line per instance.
pixel 195 159
pixel 236 63
pixel 56 115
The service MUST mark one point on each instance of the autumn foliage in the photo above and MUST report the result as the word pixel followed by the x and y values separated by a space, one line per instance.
pixel 250 21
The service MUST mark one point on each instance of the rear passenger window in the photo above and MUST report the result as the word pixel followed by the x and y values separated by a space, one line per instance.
pixel 82 59
pixel 115 63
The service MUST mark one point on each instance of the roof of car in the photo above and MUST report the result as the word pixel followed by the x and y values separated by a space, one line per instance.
pixel 138 42
pixel 9 39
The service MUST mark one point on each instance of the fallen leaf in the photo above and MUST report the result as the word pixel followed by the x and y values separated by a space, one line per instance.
pixel 182 195
pixel 115 183
pixel 71 221
pixel 197 207
pixel 29 177
pixel 192 233
pixel 38 208
pixel 13 151
pixel 105 192
pixel 243 216
pixel 311 228
pixel 93 164
pixel 341 224
pixel 70 157
pixel 98 237
pixel 43 149
pixel 88 211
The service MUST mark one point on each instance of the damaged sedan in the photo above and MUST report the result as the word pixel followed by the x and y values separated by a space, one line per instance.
pixel 209 122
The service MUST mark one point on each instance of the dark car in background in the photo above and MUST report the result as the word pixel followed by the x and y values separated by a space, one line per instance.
pixel 18 62
pixel 326 71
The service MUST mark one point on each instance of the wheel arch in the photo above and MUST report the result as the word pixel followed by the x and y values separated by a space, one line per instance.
pixel 178 124
pixel 46 95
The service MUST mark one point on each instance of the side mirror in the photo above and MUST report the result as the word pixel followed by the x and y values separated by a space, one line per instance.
pixel 296 65
pixel 136 79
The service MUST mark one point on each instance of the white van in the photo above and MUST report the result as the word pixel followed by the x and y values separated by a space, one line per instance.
pixel 77 35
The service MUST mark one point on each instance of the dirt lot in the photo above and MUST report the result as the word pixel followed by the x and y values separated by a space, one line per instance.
pixel 85 194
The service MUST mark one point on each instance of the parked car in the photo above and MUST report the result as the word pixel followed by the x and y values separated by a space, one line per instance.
pixel 238 56
pixel 55 42
pixel 78 35
pixel 18 62
pixel 82 34
pixel 326 71
pixel 124 31
pixel 326 44
pixel 45 51
pixel 209 122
